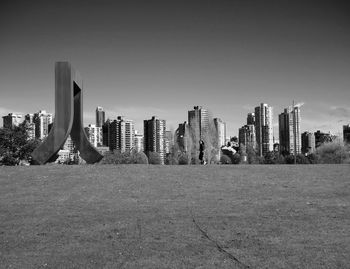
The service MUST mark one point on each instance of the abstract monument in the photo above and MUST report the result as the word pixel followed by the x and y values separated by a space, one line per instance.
pixel 68 118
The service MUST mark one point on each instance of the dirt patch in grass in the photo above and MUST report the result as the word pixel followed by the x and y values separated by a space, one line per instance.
pixel 140 216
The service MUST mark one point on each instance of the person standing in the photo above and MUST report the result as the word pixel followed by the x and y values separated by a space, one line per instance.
pixel 201 152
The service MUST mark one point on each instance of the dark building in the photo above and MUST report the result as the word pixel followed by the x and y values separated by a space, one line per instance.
pixel 246 136
pixel 251 119
pixel 307 142
pixel 321 138
pixel 154 137
pixel 289 131
pixel 346 133
pixel 182 136
pixel 105 133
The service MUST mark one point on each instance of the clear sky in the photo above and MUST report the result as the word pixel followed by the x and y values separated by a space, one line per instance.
pixel 144 58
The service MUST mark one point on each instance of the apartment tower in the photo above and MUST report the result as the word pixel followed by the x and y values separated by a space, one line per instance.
pixel 264 129
pixel 154 136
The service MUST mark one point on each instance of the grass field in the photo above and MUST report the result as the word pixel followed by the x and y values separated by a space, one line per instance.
pixel 141 216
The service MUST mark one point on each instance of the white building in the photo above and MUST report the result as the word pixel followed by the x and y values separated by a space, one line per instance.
pixel 42 120
pixel 94 134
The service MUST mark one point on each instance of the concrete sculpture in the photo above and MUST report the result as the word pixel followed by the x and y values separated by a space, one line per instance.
pixel 68 118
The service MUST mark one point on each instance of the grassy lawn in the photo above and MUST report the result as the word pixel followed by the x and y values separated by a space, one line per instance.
pixel 141 216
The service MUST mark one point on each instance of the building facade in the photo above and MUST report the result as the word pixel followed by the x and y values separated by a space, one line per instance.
pixel 264 129
pixel 182 135
pixel 12 120
pixel 289 131
pixel 42 120
pixel 138 142
pixel 154 136
pixel 100 116
pixel 307 143
pixel 121 134
pixel 321 137
pixel 220 128
pixel 94 135
pixel 198 121
pixel 246 136
pixel 346 134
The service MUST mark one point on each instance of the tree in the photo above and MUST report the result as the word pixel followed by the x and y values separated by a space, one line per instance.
pixel 333 152
pixel 15 145
pixel 183 159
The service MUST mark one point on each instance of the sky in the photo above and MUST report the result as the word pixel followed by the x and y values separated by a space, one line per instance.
pixel 144 58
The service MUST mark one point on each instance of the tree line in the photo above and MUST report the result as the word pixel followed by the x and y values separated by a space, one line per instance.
pixel 16 148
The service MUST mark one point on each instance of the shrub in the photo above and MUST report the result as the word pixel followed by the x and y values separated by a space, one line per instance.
pixel 236 158
pixel 333 152
pixel 139 158
pixel 225 159
pixel 154 158
pixel 302 159
pixel 313 158
pixel 183 159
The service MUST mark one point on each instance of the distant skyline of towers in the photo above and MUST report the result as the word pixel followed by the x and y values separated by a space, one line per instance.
pixel 154 136
pixel 100 116
pixel 121 134
pixel 264 128
pixel 289 131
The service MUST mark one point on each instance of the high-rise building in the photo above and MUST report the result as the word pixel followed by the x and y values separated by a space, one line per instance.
pixel 198 121
pixel 289 131
pixel 138 142
pixel 100 116
pixel 121 134
pixel 42 120
pixel 105 133
pixel 12 120
pixel 307 142
pixel 321 138
pixel 29 119
pixel 346 133
pixel 94 135
pixel 220 128
pixel 169 141
pixel 182 136
pixel 251 119
pixel 263 129
pixel 154 136
pixel 246 136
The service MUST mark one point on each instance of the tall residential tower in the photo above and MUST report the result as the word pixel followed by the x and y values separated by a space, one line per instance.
pixel 289 130
pixel 264 128
pixel 154 137
pixel 100 116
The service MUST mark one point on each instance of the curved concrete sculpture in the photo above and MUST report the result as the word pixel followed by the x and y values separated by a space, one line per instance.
pixel 68 118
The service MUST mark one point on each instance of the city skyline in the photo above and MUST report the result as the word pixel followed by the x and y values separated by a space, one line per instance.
pixel 143 59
